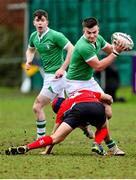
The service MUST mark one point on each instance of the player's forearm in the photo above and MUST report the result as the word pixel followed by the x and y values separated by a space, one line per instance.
pixel 108 49
pixel 29 56
pixel 105 62
pixel 66 63
pixel 68 56
pixel 106 98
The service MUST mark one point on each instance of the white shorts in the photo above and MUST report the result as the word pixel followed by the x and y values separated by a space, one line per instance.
pixel 75 85
pixel 53 87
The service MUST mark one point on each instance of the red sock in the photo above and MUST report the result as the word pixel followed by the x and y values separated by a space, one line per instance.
pixel 100 135
pixel 41 142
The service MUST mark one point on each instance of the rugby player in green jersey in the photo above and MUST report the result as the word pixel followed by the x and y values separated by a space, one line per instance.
pixel 84 61
pixel 50 45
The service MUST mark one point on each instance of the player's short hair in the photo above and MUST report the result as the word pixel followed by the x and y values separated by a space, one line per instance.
pixel 90 22
pixel 56 104
pixel 39 13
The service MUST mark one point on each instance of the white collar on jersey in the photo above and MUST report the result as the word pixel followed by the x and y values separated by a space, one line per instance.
pixel 40 37
pixel 94 45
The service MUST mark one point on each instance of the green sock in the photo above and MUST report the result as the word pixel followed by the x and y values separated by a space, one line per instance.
pixel 110 144
pixel 41 128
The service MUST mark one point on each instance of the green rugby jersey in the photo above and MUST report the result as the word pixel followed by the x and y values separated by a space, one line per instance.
pixel 50 48
pixel 84 51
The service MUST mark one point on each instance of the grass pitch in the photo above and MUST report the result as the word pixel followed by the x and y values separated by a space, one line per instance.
pixel 73 157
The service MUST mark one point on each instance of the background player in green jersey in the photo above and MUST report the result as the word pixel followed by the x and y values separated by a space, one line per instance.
pixel 84 61
pixel 50 45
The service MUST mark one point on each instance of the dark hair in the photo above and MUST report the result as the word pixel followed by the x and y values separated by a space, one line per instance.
pixel 39 13
pixel 56 103
pixel 90 22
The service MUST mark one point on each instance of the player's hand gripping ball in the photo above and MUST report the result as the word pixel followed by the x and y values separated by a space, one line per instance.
pixel 124 39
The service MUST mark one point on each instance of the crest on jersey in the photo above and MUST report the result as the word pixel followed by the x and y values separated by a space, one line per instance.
pixel 47 46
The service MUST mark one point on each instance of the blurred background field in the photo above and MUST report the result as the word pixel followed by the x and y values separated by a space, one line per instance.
pixel 72 158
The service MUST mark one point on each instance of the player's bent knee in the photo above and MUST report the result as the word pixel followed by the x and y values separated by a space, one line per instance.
pixel 36 108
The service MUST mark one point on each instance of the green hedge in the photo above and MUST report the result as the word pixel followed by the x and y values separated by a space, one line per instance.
pixel 11 55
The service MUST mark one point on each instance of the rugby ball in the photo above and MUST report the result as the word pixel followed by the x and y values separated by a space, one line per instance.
pixel 122 38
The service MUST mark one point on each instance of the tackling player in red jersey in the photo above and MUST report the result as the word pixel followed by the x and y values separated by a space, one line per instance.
pixel 83 108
